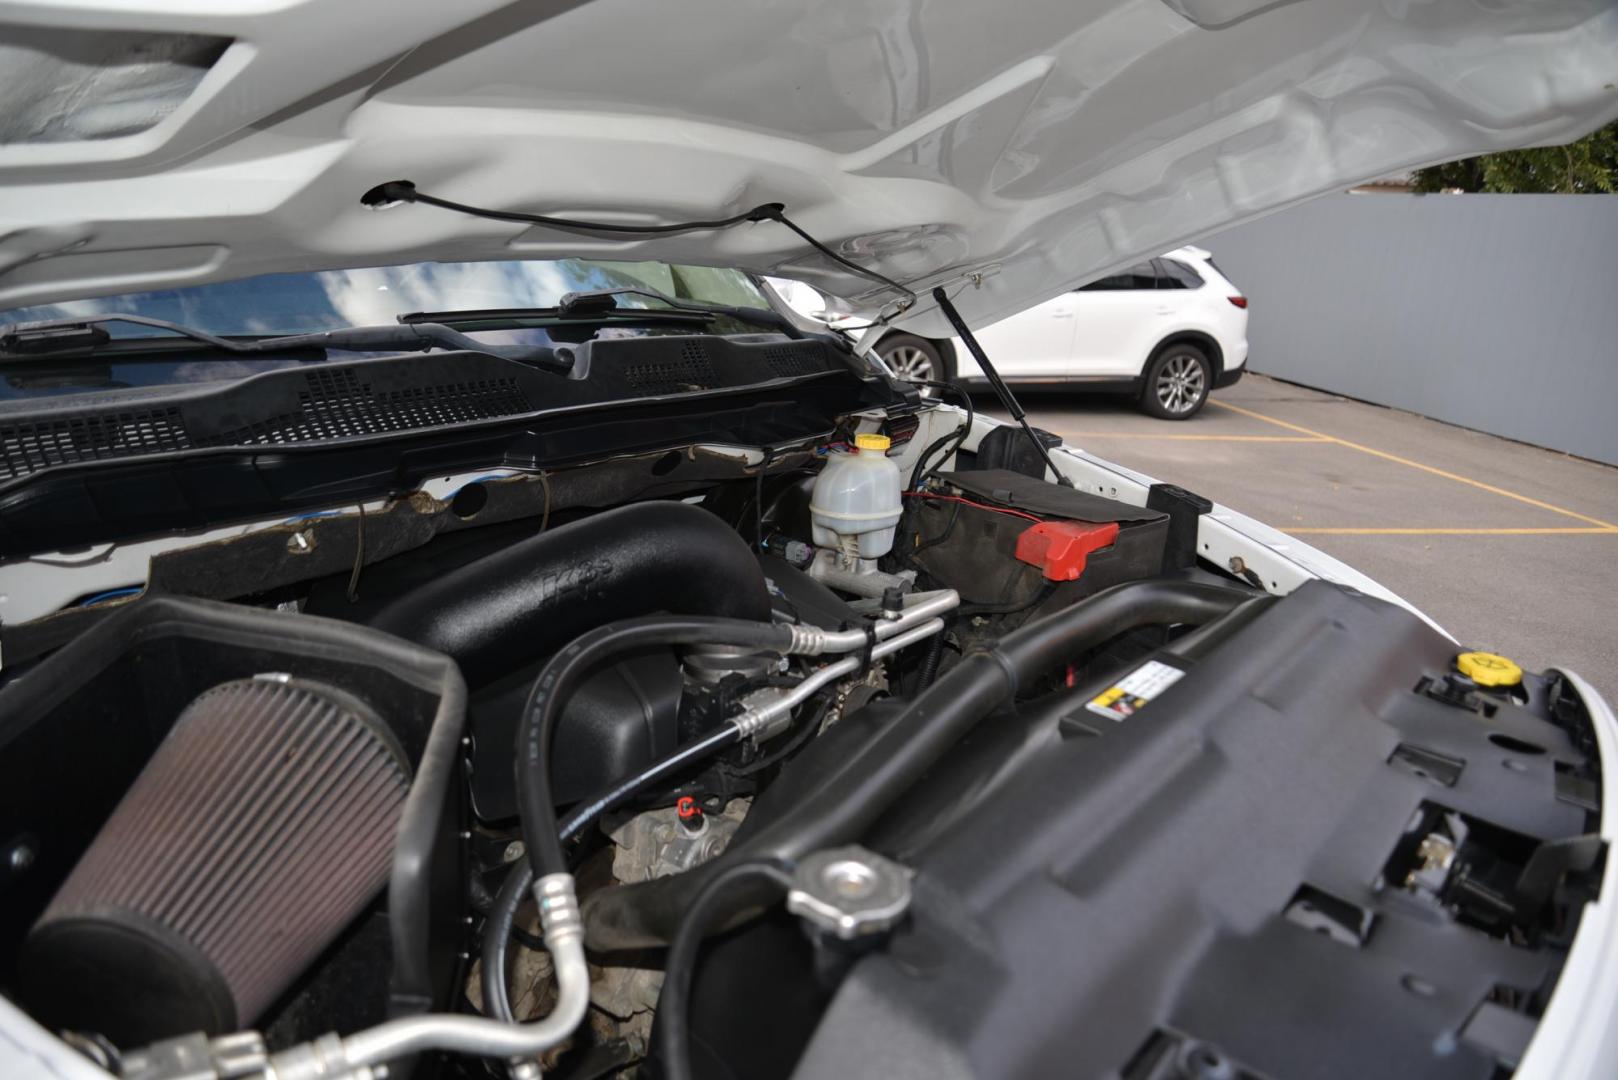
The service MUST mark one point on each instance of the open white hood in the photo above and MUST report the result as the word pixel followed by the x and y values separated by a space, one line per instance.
pixel 1036 143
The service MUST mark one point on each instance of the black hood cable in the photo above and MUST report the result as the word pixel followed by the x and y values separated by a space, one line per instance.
pixel 403 191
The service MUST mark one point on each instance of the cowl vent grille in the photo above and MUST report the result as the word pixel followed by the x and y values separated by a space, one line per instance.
pixel 324 402
pixel 691 370
pixel 29 447
pixel 788 362
pixel 338 404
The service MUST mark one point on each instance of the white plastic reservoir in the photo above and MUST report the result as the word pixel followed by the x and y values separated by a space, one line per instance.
pixel 856 504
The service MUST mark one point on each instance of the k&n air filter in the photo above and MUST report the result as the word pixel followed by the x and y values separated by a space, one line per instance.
pixel 261 827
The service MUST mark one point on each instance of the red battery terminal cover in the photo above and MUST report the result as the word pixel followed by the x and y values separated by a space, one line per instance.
pixel 1060 548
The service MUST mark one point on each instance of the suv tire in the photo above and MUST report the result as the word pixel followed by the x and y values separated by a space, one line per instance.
pixel 915 358
pixel 1177 381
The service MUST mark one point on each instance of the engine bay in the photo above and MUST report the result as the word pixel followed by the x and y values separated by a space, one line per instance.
pixel 822 759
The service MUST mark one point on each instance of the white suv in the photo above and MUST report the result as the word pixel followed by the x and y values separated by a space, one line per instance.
pixel 1165 331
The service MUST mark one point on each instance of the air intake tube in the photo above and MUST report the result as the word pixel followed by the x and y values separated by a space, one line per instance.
pixel 531 598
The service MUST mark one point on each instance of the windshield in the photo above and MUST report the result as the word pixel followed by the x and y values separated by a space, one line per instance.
pixel 308 303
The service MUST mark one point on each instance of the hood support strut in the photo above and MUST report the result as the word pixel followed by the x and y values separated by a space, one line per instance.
pixel 1001 390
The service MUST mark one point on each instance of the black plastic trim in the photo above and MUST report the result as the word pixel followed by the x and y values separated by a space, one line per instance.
pixel 133 652
pixel 96 501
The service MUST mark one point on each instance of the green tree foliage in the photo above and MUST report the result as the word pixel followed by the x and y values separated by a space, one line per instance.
pixel 1589 166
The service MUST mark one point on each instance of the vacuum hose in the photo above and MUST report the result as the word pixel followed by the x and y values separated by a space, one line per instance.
pixel 646 914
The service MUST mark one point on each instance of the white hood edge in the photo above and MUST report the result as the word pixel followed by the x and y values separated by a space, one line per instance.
pixel 1006 151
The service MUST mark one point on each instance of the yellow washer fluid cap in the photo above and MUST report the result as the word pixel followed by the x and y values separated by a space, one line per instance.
pixel 873 441
pixel 1487 669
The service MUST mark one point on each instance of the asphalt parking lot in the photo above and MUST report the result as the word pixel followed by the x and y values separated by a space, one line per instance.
pixel 1509 547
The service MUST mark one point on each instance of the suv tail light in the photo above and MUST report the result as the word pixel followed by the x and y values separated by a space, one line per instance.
pixel 1239 301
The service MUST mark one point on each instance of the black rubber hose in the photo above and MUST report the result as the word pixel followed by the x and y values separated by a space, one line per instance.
pixel 504 610
pixel 921 469
pixel 943 534
pixel 931 659
pixel 934 656
pixel 725 735
pixel 497 928
pixel 1041 645
pixel 850 800
pixel 708 907
pixel 1042 592
pixel 556 683
pixel 496 931
pixel 1208 637
pixel 808 727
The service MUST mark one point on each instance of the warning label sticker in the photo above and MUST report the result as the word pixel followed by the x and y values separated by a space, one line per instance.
pixel 1130 694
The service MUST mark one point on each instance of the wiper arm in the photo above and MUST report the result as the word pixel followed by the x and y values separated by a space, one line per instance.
pixel 601 305
pixel 601 300
pixel 71 335
pixel 418 337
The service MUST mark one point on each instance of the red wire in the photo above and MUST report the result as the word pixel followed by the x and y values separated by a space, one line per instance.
pixel 969 502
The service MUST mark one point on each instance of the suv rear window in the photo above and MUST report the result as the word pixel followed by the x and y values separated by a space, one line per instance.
pixel 1157 274
pixel 1139 276
pixel 1177 275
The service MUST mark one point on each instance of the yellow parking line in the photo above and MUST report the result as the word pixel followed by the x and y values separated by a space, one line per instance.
pixel 1197 438
pixel 1606 526
pixel 1334 531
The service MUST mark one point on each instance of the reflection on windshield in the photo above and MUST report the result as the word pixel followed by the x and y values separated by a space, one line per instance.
pixel 307 303
pixel 51 379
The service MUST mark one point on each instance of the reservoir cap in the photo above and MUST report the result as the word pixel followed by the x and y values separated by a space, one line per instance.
pixel 1488 669
pixel 873 441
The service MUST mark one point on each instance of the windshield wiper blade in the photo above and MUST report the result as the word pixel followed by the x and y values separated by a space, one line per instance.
pixel 56 336
pixel 84 334
pixel 610 314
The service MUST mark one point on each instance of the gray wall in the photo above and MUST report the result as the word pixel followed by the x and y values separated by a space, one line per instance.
pixel 1497 312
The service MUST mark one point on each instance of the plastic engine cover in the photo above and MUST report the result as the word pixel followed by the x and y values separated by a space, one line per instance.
pixel 1231 876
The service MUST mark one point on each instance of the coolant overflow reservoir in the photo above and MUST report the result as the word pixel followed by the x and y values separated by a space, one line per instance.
pixel 855 507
